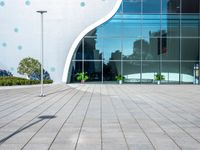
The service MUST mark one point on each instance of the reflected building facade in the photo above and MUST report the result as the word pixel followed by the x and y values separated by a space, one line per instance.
pixel 143 38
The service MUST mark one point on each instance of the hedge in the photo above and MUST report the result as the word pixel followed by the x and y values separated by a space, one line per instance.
pixel 9 81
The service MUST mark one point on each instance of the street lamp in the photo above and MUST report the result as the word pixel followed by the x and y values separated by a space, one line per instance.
pixel 42 51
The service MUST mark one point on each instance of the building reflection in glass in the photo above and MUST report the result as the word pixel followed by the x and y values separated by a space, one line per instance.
pixel 139 42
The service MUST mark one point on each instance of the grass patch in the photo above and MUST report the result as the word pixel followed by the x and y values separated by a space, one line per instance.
pixel 10 81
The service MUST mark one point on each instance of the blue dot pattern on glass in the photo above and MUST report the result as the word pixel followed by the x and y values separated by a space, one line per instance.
pixel 19 47
pixel 4 44
pixel 16 30
pixel 53 69
pixel 82 4
pixel 2 3
pixel 28 2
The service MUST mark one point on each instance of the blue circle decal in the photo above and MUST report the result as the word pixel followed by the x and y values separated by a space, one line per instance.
pixel 16 30
pixel 4 44
pixel 82 4
pixel 2 3
pixel 53 69
pixel 12 69
pixel 19 47
pixel 28 2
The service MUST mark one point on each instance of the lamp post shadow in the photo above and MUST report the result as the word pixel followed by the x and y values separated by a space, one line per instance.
pixel 41 118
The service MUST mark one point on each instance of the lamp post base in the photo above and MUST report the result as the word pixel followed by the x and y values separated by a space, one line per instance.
pixel 42 95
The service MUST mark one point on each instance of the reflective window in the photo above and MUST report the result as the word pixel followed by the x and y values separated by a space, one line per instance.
pixel 149 70
pixel 132 26
pixel 99 31
pixel 94 32
pixel 132 71
pixel 147 48
pixel 171 25
pixel 112 49
pixel 151 6
pixel 190 49
pixel 151 26
pixel 171 6
pixel 94 70
pixel 131 49
pixel 93 48
pixel 76 67
pixel 113 27
pixel 132 6
pixel 190 6
pixel 143 38
pixel 120 10
pixel 78 55
pixel 187 70
pixel 111 69
pixel 170 48
pixel 190 25
pixel 170 70
pixel 151 49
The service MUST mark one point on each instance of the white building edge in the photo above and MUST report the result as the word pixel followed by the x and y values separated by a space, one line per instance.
pixel 82 34
pixel 66 22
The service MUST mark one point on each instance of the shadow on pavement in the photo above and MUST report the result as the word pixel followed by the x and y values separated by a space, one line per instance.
pixel 41 118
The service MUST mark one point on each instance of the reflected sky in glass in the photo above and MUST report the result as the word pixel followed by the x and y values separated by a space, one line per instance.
pixel 112 27
pixel 130 26
pixel 131 49
pixel 132 6
pixel 117 36
pixel 151 25
pixel 143 40
pixel 151 6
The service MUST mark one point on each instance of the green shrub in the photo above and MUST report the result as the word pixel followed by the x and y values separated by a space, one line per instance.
pixel 119 77
pixel 82 76
pixel 17 82
pixel 27 82
pixel 48 81
pixel 1 83
pixel 159 77
pixel 9 81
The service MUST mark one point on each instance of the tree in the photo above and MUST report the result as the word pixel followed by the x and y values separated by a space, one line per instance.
pixel 37 75
pixel 5 73
pixel 28 66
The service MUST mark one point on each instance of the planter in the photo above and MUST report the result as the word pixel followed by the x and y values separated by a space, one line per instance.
pixel 120 81
pixel 81 77
pixel 159 77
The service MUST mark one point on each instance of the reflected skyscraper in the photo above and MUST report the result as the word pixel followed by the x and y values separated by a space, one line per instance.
pixel 142 39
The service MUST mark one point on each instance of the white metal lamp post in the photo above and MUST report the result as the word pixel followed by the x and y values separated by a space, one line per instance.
pixel 42 52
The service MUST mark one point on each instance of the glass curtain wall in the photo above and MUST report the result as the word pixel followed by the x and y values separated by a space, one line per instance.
pixel 143 38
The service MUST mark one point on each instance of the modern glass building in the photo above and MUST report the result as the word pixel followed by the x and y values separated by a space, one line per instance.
pixel 143 38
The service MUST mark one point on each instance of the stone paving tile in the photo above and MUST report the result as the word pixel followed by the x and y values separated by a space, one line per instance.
pixel 90 135
pixel 101 117
pixel 10 146
pixel 42 126
pixel 68 135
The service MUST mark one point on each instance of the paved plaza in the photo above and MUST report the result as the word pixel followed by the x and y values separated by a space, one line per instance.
pixel 101 117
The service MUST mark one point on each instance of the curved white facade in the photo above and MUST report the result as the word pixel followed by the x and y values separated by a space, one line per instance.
pixel 65 23
pixel 82 34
